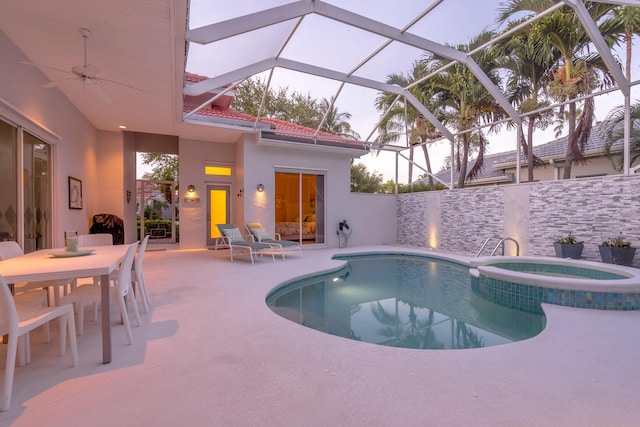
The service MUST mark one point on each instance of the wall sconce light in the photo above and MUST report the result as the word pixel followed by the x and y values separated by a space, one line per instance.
pixel 191 195
pixel 128 196
pixel 260 188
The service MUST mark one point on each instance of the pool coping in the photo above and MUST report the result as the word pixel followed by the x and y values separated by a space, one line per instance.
pixel 629 285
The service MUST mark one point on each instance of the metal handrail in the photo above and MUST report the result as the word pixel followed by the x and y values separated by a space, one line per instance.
pixel 485 244
pixel 500 243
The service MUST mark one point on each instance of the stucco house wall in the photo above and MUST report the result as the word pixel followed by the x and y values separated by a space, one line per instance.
pixel 371 216
pixel 194 156
pixel 75 142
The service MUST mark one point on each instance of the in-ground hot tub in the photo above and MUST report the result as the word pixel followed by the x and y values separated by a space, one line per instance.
pixel 525 282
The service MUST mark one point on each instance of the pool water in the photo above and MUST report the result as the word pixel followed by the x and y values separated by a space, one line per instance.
pixel 408 301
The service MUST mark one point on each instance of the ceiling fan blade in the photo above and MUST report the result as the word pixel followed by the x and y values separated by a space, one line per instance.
pixel 45 67
pixel 99 90
pixel 118 83
pixel 56 83
pixel 86 73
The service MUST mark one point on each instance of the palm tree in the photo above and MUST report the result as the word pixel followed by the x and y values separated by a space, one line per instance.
pixel 336 122
pixel 403 117
pixel 613 127
pixel 464 102
pixel 627 21
pixel 526 79
pixel 575 72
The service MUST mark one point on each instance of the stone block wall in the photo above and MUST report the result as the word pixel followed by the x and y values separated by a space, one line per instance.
pixel 535 214
pixel 465 227
pixel 411 219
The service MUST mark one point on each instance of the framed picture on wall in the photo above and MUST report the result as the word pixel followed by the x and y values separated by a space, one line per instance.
pixel 75 193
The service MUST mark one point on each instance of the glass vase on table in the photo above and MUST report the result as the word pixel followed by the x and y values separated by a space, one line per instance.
pixel 71 241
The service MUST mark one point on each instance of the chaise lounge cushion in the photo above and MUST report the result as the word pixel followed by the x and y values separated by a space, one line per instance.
pixel 261 234
pixel 234 235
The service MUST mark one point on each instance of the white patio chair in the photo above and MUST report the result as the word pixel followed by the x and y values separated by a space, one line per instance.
pixel 91 294
pixel 138 277
pixel 17 321
pixel 33 294
pixel 11 249
pixel 88 240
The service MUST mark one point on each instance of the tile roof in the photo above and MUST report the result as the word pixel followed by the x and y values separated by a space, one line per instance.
pixel 493 168
pixel 271 128
pixel 194 78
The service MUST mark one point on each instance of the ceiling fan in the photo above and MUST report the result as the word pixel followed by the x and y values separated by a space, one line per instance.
pixel 86 73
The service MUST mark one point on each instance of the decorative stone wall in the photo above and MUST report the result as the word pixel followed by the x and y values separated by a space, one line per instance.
pixel 412 211
pixel 535 214
pixel 465 227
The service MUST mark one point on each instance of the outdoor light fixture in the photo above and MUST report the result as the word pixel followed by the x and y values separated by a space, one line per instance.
pixel 260 188
pixel 191 195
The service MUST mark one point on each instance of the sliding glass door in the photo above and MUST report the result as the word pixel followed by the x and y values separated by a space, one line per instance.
pixel 25 201
pixel 300 207
pixel 37 193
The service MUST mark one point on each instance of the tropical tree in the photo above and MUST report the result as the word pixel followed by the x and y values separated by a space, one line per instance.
pixel 164 167
pixel 576 71
pixel 402 118
pixel 296 108
pixel 363 181
pixel 613 127
pixel 336 122
pixel 464 103
pixel 278 104
pixel 626 20
pixel 525 83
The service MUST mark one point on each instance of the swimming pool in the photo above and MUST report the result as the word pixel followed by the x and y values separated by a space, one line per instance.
pixel 399 300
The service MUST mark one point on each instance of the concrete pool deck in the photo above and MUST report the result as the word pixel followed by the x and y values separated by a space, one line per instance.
pixel 211 353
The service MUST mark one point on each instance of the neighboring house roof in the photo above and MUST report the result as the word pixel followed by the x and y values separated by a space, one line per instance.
pixel 271 128
pixel 494 165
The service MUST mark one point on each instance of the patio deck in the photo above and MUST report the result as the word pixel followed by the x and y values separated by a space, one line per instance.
pixel 212 354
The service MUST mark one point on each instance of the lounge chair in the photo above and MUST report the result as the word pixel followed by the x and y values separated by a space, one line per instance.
pixel 261 235
pixel 232 237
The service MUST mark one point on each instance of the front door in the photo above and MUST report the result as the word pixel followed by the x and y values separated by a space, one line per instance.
pixel 218 210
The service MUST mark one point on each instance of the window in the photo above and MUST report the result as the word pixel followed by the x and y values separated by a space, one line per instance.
pixel 217 170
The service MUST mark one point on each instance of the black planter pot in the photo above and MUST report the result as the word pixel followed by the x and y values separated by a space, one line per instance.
pixel 564 250
pixel 619 256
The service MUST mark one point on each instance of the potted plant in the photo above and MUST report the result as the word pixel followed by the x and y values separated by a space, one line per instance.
pixel 617 251
pixel 568 247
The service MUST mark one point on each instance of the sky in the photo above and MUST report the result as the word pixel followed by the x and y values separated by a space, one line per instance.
pixel 329 44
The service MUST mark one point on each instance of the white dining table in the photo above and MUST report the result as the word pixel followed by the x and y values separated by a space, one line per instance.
pixel 42 265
